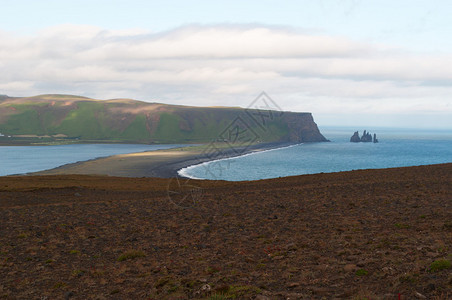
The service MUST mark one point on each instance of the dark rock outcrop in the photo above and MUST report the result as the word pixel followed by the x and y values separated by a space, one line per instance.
pixel 366 138
pixel 302 128
pixel 355 138
pixel 375 138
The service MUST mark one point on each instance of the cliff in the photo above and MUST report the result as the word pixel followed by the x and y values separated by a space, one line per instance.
pixel 75 118
pixel 302 128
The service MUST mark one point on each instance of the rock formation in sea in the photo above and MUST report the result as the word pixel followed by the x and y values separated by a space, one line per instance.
pixel 355 138
pixel 366 138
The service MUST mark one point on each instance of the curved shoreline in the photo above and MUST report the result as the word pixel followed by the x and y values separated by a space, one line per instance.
pixel 163 163
pixel 181 172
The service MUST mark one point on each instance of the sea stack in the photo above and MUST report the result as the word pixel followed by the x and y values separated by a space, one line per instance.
pixel 366 138
pixel 355 138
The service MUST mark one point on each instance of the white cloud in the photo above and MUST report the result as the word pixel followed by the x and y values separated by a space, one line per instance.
pixel 16 86
pixel 226 65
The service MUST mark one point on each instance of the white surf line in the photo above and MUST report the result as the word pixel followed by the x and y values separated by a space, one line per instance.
pixel 184 171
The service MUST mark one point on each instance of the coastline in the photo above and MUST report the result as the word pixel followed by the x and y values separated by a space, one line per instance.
pixel 159 163
pixel 182 172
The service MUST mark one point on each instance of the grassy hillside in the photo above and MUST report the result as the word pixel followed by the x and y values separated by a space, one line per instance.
pixel 73 118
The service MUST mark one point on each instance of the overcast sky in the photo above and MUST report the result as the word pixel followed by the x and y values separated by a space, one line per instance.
pixel 349 62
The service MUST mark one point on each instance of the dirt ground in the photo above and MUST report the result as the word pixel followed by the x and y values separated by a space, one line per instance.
pixel 370 234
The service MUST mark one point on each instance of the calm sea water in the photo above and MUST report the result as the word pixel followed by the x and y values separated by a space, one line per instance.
pixel 397 148
pixel 24 159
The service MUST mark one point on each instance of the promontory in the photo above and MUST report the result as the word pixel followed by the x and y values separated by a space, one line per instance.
pixel 66 119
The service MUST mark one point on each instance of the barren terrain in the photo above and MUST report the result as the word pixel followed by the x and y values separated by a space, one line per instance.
pixel 371 234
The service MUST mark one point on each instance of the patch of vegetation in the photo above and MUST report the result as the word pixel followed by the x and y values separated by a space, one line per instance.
pixel 173 288
pixel 219 297
pixel 59 285
pixel 162 282
pixel 136 130
pixel 131 255
pixel 26 121
pixel 166 285
pixel 238 292
pixel 85 122
pixel 49 261
pixel 361 272
pixel 74 252
pixel 168 129
pixel 97 273
pixel 412 278
pixel 77 273
pixel 212 270
pixel 439 265
pixel 62 96
pixel 402 226
pixel 448 225
pixel 223 289
pixel 260 265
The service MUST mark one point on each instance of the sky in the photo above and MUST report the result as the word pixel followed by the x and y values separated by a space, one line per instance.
pixel 351 63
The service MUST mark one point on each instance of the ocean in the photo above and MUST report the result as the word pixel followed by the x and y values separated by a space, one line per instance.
pixel 24 159
pixel 396 148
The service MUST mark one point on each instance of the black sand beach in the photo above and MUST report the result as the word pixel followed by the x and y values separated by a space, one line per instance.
pixel 161 163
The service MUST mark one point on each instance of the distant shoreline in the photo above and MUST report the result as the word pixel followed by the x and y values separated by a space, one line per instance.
pixel 159 163
pixel 37 143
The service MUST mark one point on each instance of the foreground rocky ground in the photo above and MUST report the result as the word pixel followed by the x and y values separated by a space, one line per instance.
pixel 373 234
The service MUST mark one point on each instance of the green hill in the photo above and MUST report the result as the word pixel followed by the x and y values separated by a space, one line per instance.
pixel 74 118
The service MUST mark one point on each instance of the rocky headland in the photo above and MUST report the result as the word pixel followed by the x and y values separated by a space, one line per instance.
pixel 74 119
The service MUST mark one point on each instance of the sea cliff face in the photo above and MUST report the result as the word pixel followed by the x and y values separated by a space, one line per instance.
pixel 48 118
pixel 302 128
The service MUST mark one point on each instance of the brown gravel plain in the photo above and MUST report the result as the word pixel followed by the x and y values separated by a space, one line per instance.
pixel 369 234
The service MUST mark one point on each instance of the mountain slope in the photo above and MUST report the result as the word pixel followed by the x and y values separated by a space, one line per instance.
pixel 123 120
